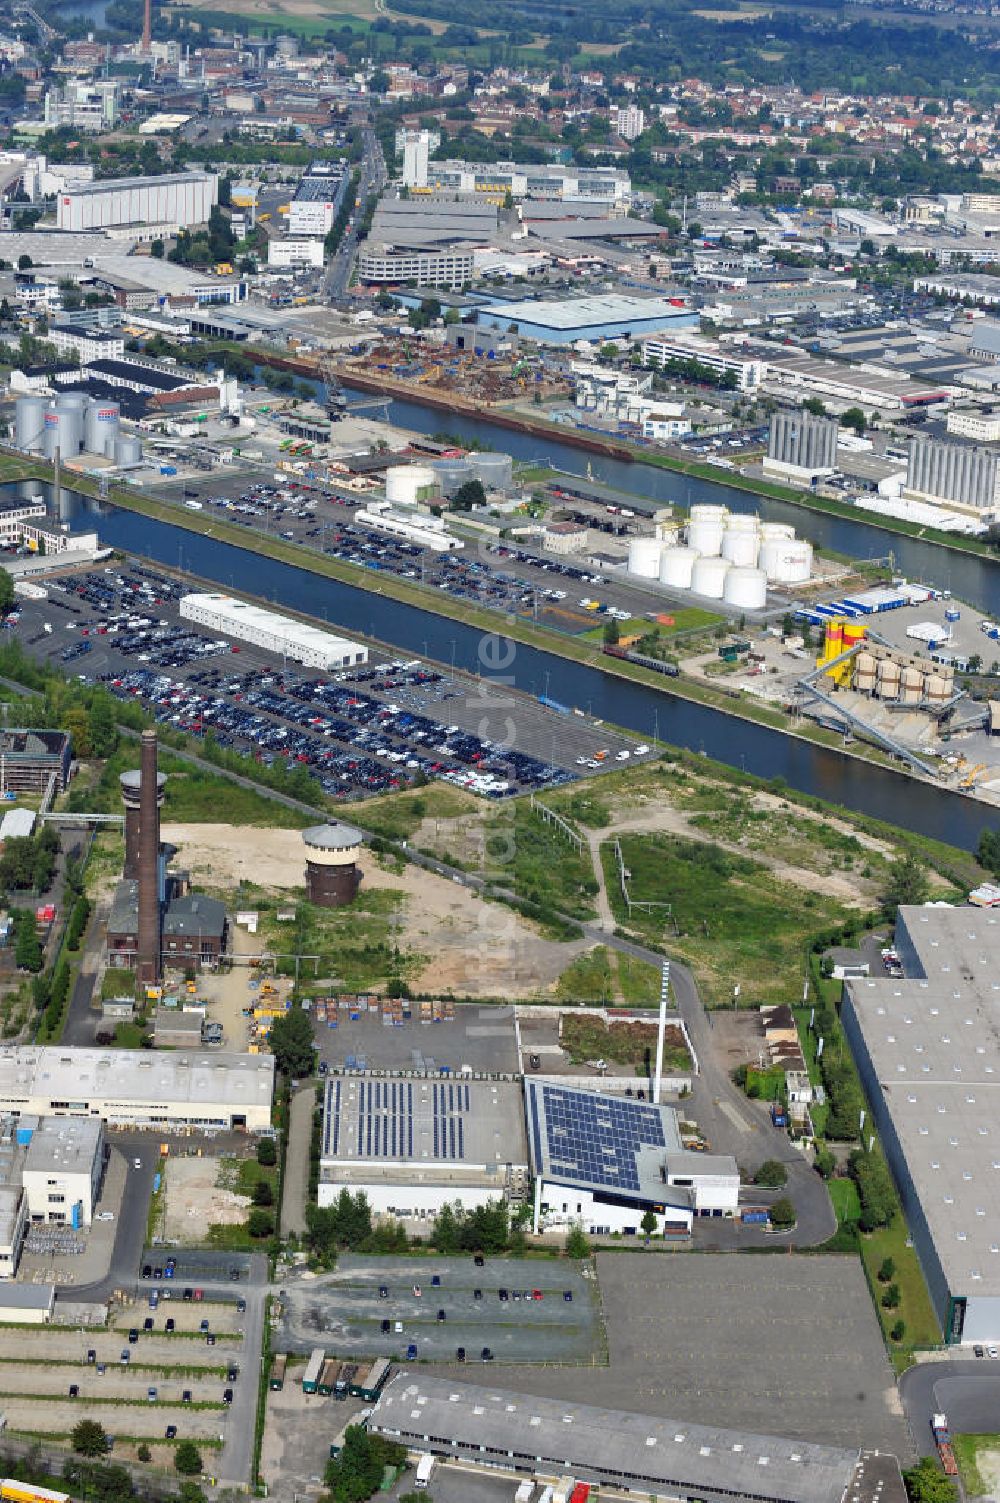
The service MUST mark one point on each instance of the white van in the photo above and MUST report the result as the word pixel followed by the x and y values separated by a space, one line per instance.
pixel 425 1467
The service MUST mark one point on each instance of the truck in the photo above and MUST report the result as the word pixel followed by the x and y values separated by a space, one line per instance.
pixel 328 1377
pixel 425 1468
pixel 524 1492
pixel 348 1373
pixel 942 1439
pixel 314 1367
pixel 562 1490
pixel 277 1380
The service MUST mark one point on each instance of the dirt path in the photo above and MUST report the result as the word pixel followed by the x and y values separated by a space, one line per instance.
pixel 293 1195
pixel 605 917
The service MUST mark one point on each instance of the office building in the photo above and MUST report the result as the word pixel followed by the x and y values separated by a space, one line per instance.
pixel 91 106
pixel 614 1450
pixel 295 254
pixel 927 1045
pixel 389 264
pixel 629 121
pixel 137 1088
pixel 747 370
pixel 610 186
pixel 801 446
pixel 318 199
pixel 62 1170
pixel 604 1161
pixel 416 157
pixel 960 474
pixel 30 758
pixel 86 343
pixel 173 202
pixel 981 427
pixel 414 1146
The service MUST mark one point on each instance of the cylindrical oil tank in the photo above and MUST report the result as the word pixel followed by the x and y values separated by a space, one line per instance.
pixel 743 521
pixel 739 547
pixel 864 673
pixel 496 471
pixel 776 530
pixel 644 557
pixel 708 511
pixel 708 577
pixel 451 473
pixel 936 689
pixel 888 675
pixel 29 423
pixel 706 534
pixel 100 427
pixel 912 685
pixel 745 588
pixel 677 567
pixel 128 450
pixel 63 429
pixel 407 483
pixel 785 560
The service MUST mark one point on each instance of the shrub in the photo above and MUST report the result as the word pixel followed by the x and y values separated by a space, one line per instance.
pixel 187 1459
pixel 267 1153
pixel 260 1223
pixel 783 1213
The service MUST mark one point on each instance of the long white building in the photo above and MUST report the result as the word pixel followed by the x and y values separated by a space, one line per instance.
pixel 297 640
pixel 179 200
pixel 381 263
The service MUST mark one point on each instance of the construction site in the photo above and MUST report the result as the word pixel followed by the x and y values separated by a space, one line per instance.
pixel 466 380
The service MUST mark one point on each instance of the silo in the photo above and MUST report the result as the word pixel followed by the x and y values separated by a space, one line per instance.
pixel 740 546
pixel 936 690
pixel 709 577
pixel 644 557
pixel 63 429
pixel 742 521
pixel 775 530
pixel 708 511
pixel 128 451
pixel 834 643
pixel 794 561
pixel 864 673
pixel 854 632
pixel 100 427
pixel 452 474
pixel 29 423
pixel 912 685
pixel 496 471
pixel 887 678
pixel 677 566
pixel 408 483
pixel 745 589
pixel 706 534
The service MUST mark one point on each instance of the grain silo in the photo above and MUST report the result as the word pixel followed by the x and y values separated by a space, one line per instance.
pixel 745 589
pixel 709 577
pixel 644 557
pixel 888 676
pixel 677 566
pixel 911 685
pixel 864 673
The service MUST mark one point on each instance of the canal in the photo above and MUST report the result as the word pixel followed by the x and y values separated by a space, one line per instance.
pixel 647 711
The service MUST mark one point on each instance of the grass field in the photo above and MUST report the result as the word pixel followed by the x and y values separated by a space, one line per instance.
pixel 730 918
pixel 398 815
pixel 539 864
pixel 968 1451
pixel 356 946
pixel 685 618
pixel 915 1308
pixel 193 795
pixel 604 976
pixel 844 1195
pixel 632 1044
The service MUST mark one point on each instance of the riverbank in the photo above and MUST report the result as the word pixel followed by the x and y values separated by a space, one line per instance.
pixel 572 649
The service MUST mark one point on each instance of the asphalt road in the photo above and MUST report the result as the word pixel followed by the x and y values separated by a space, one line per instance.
pixel 371 179
pixel 967 1391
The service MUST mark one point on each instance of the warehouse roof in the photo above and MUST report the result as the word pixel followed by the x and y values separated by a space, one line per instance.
pixel 123 184
pixel 935 1048
pixel 64 1144
pixel 583 312
pixel 986 337
pixel 455 1124
pixel 62 1073
pixel 241 615
pixel 642 1452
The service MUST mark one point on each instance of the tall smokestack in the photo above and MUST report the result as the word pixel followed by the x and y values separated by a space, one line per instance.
pixel 148 956
pixel 147 26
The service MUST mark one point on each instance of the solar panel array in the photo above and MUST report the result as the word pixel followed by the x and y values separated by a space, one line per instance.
pixel 382 1122
pixel 592 1138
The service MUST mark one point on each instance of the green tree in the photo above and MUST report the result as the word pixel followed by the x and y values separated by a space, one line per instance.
pixel 886 1271
pixel 267 1152
pixel 6 591
pixel 854 418
pixel 27 949
pixel 89 1438
pixel 898 1331
pixel 577 1245
pixel 891 1298
pixel 260 1223
pixel 783 1213
pixel 187 1459
pixel 263 1195
pixel 648 1222
pixel 144 1453
pixel 355 1474
pixel 926 1483
pixel 772 1175
pixel 291 1043
pixel 156 249
pixel 612 633
pixel 815 406
pixel 875 1189
pixel 102 727
pixel 905 883
pixel 825 1163
pixel 445 1235
pixel 471 493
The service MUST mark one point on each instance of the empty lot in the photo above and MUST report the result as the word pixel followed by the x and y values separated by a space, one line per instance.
pixel 780 1345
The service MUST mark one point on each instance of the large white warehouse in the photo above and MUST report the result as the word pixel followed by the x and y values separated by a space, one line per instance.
pixel 178 200
pixel 305 644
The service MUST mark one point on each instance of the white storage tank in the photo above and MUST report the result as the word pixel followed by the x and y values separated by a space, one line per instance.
pixel 743 521
pixel 128 451
pixel 644 557
pixel 496 471
pixel 775 530
pixel 29 423
pixel 708 577
pixel 785 560
pixel 739 546
pixel 708 511
pixel 100 427
pixel 705 534
pixel 452 474
pixel 63 429
pixel 746 589
pixel 407 483
pixel 677 566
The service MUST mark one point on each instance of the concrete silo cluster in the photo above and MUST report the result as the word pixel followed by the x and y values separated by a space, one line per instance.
pixel 880 672
pixel 73 423
pixel 727 556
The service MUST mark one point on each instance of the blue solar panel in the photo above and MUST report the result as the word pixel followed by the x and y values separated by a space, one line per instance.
pixel 592 1138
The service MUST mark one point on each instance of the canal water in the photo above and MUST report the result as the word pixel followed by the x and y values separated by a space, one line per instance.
pixel 646 711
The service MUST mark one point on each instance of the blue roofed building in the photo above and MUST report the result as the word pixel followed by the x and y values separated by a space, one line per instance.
pixel 596 319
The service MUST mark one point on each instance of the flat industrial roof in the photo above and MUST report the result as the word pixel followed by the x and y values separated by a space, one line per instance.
pixel 241 613
pixel 935 1048
pixel 582 312
pixel 122 184
pixel 608 1446
pixel 66 1144
pixel 453 1124
pixel 127 1075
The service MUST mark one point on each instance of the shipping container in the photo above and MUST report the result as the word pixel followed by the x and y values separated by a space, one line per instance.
pixel 347 1375
pixel 278 1366
pixel 311 1376
pixel 369 1384
pixel 328 1377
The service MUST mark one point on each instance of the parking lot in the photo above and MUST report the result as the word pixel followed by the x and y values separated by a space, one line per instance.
pixel 347 1313
pixel 479 1038
pixel 366 731
pixel 776 1345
